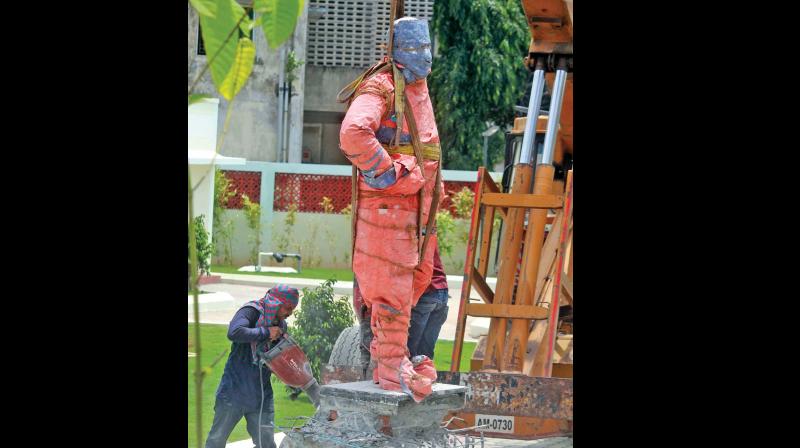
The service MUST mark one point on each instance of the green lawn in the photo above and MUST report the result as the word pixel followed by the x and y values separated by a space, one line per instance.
pixel 317 273
pixel 443 351
pixel 214 341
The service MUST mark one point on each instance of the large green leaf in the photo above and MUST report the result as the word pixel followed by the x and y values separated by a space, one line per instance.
pixel 242 67
pixel 220 36
pixel 279 18
pixel 206 8
pixel 246 25
pixel 196 97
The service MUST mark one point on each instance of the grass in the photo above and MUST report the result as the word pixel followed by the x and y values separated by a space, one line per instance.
pixel 214 342
pixel 443 351
pixel 316 273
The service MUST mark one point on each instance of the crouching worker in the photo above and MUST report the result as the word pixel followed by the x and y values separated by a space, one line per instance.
pixel 245 389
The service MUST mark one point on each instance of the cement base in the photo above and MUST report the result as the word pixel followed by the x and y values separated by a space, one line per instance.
pixel 363 414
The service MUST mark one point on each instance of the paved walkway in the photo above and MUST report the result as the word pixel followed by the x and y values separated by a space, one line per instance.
pixel 340 287
pixel 555 442
pixel 244 290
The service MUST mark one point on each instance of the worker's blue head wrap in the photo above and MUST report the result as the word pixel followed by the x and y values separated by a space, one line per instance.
pixel 412 48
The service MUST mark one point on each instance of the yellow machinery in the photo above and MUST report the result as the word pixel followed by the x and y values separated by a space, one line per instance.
pixel 524 364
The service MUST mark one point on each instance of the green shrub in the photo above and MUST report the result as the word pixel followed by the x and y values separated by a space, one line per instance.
pixel 222 237
pixel 318 321
pixel 445 232
pixel 253 213
pixel 203 244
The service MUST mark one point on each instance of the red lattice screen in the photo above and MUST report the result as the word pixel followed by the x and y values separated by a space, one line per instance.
pixel 244 182
pixel 307 191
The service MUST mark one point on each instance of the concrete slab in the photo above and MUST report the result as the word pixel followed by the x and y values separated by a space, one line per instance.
pixel 479 326
pixel 554 442
pixel 281 269
pixel 242 293
pixel 266 282
pixel 455 282
pixel 448 330
pixel 340 287
pixel 368 392
pixel 212 301
pixel 364 407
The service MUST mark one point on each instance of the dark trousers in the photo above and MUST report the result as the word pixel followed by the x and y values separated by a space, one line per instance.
pixel 427 318
pixel 227 415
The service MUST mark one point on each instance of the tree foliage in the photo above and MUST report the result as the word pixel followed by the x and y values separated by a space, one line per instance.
pixel 478 74
pixel 278 19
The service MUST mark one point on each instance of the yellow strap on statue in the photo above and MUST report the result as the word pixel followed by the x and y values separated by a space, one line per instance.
pixel 430 151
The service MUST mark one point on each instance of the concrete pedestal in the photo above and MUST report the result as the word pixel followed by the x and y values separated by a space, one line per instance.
pixel 363 414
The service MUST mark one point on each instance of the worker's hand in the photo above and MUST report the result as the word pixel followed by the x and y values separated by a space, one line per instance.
pixel 274 333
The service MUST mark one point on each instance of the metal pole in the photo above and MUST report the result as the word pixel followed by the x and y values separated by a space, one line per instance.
pixel 281 76
pixel 286 121
pixel 510 242
pixel 285 99
pixel 554 116
pixel 537 89
pixel 486 151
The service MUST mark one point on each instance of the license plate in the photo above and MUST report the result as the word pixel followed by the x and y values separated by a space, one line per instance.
pixel 496 423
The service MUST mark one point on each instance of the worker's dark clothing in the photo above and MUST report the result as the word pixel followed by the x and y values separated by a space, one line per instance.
pixel 239 391
pixel 427 318
pixel 226 416
pixel 429 313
